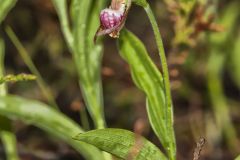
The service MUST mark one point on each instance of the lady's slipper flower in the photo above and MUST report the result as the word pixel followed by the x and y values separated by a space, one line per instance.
pixel 112 19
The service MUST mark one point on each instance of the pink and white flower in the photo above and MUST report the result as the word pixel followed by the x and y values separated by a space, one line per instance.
pixel 112 19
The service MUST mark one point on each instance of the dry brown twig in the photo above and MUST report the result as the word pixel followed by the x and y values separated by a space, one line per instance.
pixel 198 149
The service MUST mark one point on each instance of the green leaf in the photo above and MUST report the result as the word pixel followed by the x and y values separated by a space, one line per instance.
pixel 9 143
pixel 5 6
pixel 7 136
pixel 235 65
pixel 2 55
pixel 48 119
pixel 142 3
pixel 238 158
pixel 148 78
pixel 122 143
pixel 61 8
pixel 170 145
pixel 87 56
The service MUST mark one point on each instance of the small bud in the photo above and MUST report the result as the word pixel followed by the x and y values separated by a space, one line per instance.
pixel 112 19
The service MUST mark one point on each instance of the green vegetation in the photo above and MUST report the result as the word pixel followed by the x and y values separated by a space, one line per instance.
pixel 210 79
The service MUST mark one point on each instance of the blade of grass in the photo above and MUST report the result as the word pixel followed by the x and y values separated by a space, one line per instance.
pixel 171 148
pixel 48 119
pixel 61 8
pixel 9 143
pixel 6 134
pixel 220 44
pixel 3 90
pixel 84 119
pixel 5 7
pixel 25 56
pixel 234 62
pixel 238 158
pixel 219 102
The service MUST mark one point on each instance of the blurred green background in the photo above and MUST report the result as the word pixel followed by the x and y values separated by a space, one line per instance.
pixel 202 40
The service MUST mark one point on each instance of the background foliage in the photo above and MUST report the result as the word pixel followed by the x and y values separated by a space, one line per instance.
pixel 201 39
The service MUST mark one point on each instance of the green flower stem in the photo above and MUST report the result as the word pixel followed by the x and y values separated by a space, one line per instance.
pixel 169 111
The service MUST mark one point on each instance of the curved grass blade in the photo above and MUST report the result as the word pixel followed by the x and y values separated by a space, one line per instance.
pixel 219 100
pixel 5 6
pixel 147 77
pixel 221 46
pixel 28 61
pixel 7 136
pixel 48 119
pixel 235 65
pixel 61 8
pixel 122 143
pixel 171 146
pixel 9 143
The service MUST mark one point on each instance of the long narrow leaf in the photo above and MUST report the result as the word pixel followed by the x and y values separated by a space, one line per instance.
pixel 9 142
pixel 147 77
pixel 235 65
pixel 88 59
pixel 61 8
pixel 122 143
pixel 28 61
pixel 171 142
pixel 48 119
pixel 221 45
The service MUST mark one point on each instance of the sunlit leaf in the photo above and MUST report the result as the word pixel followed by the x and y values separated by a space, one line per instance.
pixel 48 119
pixel 122 143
